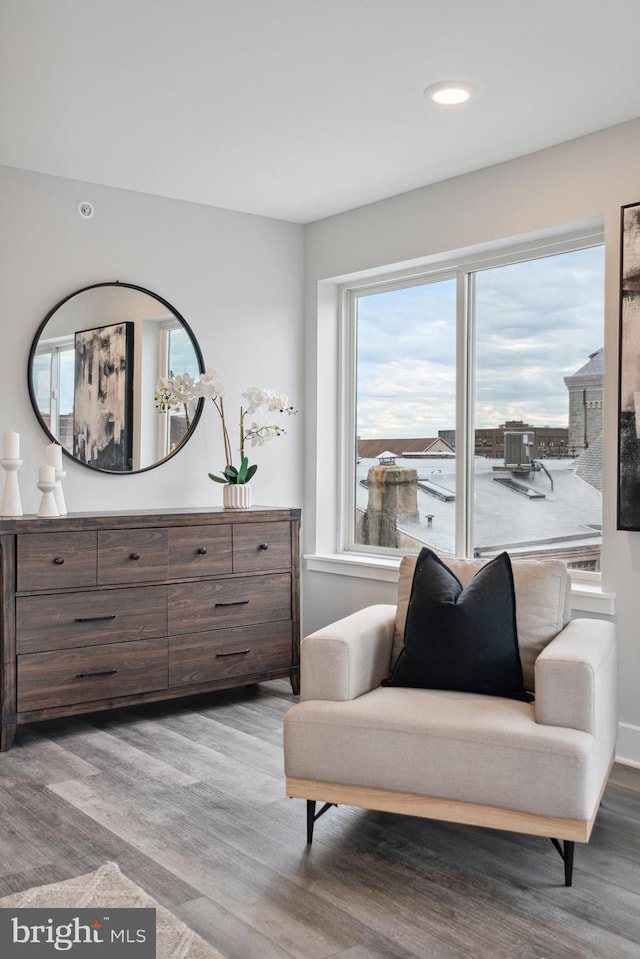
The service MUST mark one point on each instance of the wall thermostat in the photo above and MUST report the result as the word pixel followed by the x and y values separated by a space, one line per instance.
pixel 85 210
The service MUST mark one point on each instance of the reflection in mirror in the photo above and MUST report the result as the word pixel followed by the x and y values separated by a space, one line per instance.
pixel 93 369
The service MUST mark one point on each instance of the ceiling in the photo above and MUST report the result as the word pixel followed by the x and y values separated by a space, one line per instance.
pixel 300 109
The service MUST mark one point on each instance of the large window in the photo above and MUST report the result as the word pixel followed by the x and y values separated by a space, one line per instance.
pixel 475 418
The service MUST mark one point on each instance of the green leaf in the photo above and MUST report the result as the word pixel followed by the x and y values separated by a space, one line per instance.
pixel 246 472
pixel 242 472
pixel 235 477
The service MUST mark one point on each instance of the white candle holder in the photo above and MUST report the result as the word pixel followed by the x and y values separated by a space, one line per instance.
pixel 48 505
pixel 58 493
pixel 11 502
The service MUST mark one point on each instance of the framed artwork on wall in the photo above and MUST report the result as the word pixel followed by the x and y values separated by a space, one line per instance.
pixel 103 397
pixel 629 371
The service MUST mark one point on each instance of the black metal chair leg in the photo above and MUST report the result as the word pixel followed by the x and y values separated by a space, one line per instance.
pixel 311 818
pixel 566 854
pixel 569 847
pixel 312 815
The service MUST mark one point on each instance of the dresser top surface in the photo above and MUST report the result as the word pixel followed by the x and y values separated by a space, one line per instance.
pixel 128 519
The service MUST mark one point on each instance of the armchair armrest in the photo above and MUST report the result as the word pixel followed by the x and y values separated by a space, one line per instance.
pixel 349 657
pixel 576 679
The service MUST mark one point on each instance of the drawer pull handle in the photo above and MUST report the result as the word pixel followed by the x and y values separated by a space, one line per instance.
pixel 264 546
pixel 135 556
pixel 59 560
pixel 202 550
pixel 235 652
pixel 99 672
pixel 94 619
pixel 237 602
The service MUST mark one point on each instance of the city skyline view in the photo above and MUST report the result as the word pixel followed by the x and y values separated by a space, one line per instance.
pixel 536 322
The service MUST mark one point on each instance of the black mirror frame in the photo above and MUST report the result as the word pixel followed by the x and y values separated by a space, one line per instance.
pixel 34 347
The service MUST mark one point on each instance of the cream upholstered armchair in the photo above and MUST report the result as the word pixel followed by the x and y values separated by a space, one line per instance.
pixel 533 767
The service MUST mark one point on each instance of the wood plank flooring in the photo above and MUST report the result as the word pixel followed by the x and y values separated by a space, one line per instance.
pixel 188 798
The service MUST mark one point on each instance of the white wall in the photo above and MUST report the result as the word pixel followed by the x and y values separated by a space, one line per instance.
pixel 236 279
pixel 570 184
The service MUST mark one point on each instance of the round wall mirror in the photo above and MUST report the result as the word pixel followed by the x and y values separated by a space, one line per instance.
pixel 93 369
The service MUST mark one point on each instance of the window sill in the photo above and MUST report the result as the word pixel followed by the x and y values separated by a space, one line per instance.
pixel 592 599
pixel 584 598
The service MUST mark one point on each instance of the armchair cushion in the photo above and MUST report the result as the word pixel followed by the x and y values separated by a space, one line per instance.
pixel 543 603
pixel 456 746
pixel 462 639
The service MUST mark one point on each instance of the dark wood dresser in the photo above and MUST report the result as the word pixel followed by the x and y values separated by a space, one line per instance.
pixel 112 609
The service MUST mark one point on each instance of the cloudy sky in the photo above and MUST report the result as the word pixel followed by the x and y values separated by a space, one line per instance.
pixel 537 322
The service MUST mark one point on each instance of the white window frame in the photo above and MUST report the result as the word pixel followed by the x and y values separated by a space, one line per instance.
pixel 53 348
pixel 463 269
pixel 163 428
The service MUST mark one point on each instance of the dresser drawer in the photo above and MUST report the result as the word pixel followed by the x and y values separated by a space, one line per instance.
pixel 229 653
pixel 56 560
pixel 91 618
pixel 67 676
pixel 132 555
pixel 199 551
pixel 261 546
pixel 232 602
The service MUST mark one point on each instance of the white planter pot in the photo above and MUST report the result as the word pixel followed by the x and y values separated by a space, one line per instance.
pixel 236 496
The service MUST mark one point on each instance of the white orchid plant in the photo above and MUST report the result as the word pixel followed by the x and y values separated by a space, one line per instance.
pixel 183 393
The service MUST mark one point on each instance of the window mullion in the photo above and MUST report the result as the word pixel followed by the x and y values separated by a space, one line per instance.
pixel 55 386
pixel 470 447
pixel 464 411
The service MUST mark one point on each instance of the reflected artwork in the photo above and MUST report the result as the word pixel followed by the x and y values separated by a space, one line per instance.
pixel 103 397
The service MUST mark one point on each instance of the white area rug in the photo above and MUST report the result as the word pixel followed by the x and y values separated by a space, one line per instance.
pixel 107 886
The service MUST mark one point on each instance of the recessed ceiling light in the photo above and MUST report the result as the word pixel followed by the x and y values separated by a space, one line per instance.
pixel 449 92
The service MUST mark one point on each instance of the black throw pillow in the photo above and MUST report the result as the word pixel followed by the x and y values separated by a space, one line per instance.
pixel 461 639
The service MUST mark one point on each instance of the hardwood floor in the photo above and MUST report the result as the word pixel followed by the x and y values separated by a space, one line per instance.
pixel 188 798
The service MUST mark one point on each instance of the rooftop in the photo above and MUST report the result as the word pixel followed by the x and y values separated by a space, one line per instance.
pixel 518 516
pixel 593 367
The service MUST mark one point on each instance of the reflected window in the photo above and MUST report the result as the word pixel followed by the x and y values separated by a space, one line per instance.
pixel 53 377
pixel 176 357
